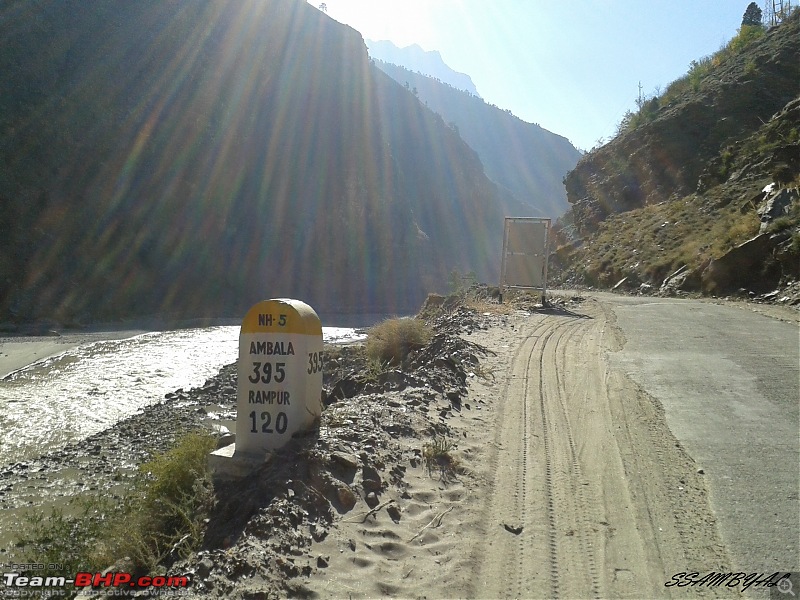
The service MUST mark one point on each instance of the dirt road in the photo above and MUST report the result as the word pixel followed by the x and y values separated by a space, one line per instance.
pixel 608 503
pixel 572 484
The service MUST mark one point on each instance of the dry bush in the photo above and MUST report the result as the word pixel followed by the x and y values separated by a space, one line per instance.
pixel 391 341
pixel 438 456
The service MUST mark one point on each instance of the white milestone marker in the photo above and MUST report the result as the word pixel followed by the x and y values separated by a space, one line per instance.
pixel 280 374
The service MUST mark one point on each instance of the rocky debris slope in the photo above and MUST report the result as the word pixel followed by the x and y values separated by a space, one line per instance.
pixel 259 539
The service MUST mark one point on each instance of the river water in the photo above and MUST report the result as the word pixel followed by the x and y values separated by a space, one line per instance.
pixel 90 387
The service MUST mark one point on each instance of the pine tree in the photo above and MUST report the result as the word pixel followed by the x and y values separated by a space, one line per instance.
pixel 752 15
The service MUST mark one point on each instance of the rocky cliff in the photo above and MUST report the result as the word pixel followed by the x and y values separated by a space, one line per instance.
pixel 681 185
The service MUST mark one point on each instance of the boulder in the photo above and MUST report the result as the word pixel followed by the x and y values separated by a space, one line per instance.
pixel 777 205
pixel 684 279
pixel 749 265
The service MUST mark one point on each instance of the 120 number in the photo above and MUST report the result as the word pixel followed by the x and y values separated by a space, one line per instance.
pixel 281 422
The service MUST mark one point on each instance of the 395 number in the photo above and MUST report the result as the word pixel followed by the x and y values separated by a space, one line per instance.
pixel 314 362
pixel 264 372
pixel 281 422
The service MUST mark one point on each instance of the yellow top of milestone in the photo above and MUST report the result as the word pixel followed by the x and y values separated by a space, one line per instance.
pixel 282 315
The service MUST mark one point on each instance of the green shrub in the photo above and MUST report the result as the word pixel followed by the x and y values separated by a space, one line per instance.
pixel 169 502
pixel 780 224
pixel 459 283
pixel 676 89
pixel 795 246
pixel 727 159
pixel 66 535
pixel 746 36
pixel 391 341
pixel 162 514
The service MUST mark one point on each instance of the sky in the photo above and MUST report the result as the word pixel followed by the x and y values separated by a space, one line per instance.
pixel 572 66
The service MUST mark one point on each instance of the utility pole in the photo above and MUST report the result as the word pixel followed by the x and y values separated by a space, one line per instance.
pixel 776 11
pixel 769 13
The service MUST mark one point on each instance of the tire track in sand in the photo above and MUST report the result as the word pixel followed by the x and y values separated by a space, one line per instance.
pixel 510 505
pixel 527 481
pixel 575 515
pixel 579 464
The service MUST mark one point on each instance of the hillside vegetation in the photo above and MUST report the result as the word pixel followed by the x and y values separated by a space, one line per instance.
pixel 671 201
pixel 188 159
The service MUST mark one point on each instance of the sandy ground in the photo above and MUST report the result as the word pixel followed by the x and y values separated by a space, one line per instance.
pixel 570 486
pixel 19 352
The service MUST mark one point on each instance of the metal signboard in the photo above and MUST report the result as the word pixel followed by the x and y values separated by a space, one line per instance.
pixel 525 251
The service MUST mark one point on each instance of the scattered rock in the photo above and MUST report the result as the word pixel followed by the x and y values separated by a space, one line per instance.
pixel 371 500
pixel 516 530
pixel 748 264
pixel 394 513
pixel 684 279
pixel 776 205
pixel 346 497
pixel 204 568
pixel 348 461
pixel 619 283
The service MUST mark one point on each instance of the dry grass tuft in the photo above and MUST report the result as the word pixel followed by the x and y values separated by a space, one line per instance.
pixel 390 342
pixel 438 456
pixel 485 372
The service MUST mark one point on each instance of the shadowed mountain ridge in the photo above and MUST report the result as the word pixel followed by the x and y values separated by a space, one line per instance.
pixel 189 159
pixel 524 158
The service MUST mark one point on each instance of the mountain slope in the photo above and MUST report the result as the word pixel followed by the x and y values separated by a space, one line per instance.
pixel 416 59
pixel 672 201
pixel 524 158
pixel 190 159
pixel 668 152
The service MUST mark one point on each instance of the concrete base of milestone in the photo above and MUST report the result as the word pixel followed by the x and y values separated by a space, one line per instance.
pixel 227 465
